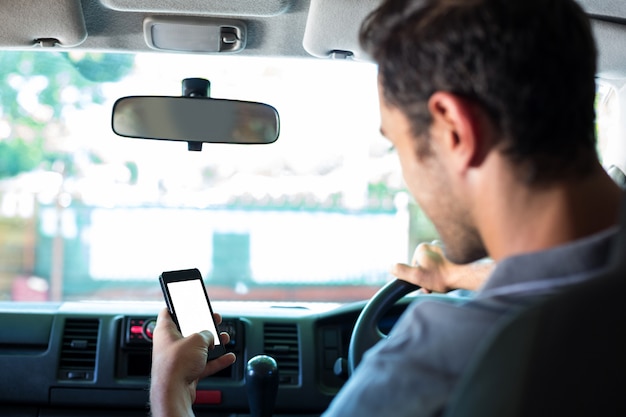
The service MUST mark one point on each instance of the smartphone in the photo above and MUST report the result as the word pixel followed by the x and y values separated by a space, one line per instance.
pixel 188 304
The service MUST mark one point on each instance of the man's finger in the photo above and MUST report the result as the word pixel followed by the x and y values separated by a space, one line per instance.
pixel 218 364
pixel 427 255
pixel 408 273
pixel 165 326
pixel 208 338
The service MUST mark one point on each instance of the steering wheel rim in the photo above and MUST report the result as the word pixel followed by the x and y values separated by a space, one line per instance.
pixel 366 333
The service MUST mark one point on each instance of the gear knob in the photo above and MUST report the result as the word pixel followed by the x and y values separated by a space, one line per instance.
pixel 262 385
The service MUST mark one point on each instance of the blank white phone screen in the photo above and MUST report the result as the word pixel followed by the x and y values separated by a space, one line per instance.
pixel 191 307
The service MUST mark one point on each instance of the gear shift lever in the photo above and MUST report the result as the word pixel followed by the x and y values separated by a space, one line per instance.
pixel 262 385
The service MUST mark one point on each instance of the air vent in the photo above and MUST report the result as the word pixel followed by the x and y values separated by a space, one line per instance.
pixel 281 343
pixel 78 353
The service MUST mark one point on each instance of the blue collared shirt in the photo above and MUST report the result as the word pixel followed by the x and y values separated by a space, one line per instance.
pixel 414 370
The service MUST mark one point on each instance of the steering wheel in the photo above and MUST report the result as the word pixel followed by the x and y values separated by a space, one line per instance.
pixel 366 333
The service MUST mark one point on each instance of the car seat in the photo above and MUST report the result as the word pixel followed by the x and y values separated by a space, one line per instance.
pixel 565 356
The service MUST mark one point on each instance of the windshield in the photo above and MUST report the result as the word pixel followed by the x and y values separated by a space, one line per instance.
pixel 320 215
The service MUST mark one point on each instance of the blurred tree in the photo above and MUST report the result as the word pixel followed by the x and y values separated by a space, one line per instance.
pixel 17 156
pixel 38 88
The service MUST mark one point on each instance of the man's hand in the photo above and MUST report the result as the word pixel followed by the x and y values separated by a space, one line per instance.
pixel 433 272
pixel 177 365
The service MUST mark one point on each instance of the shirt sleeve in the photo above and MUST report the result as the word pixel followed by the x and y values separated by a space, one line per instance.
pixel 413 371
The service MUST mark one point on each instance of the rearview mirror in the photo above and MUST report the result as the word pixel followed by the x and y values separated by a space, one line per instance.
pixel 195 120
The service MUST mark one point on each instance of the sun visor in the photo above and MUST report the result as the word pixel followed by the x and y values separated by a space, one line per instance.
pixel 609 9
pixel 332 28
pixel 611 38
pixel 239 8
pixel 608 19
pixel 33 22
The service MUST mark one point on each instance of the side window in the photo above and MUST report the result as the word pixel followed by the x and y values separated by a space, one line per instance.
pixel 611 126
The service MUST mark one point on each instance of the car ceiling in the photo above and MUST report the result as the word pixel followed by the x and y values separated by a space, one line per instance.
pixel 302 28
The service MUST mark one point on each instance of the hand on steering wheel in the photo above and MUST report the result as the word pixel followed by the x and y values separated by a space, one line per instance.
pixel 431 271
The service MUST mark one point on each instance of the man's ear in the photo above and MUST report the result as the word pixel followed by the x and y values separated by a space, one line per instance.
pixel 458 124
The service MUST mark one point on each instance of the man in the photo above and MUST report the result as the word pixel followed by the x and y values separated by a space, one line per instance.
pixel 490 106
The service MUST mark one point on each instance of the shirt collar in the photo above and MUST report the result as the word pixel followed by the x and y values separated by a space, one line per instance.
pixel 574 261
pixel 577 260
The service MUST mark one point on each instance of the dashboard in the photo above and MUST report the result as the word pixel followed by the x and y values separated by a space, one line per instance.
pixel 85 358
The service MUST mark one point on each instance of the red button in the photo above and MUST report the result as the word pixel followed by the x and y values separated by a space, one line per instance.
pixel 208 397
pixel 136 329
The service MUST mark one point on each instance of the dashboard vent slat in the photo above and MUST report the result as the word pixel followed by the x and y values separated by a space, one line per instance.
pixel 281 342
pixel 78 350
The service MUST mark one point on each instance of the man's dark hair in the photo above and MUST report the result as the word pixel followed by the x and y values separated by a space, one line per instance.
pixel 530 64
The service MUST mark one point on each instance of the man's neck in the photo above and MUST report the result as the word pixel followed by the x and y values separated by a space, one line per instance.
pixel 517 218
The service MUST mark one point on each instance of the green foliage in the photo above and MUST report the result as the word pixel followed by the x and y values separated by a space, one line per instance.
pixel 134 171
pixel 99 67
pixel 381 195
pixel 18 156
pixel 36 90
